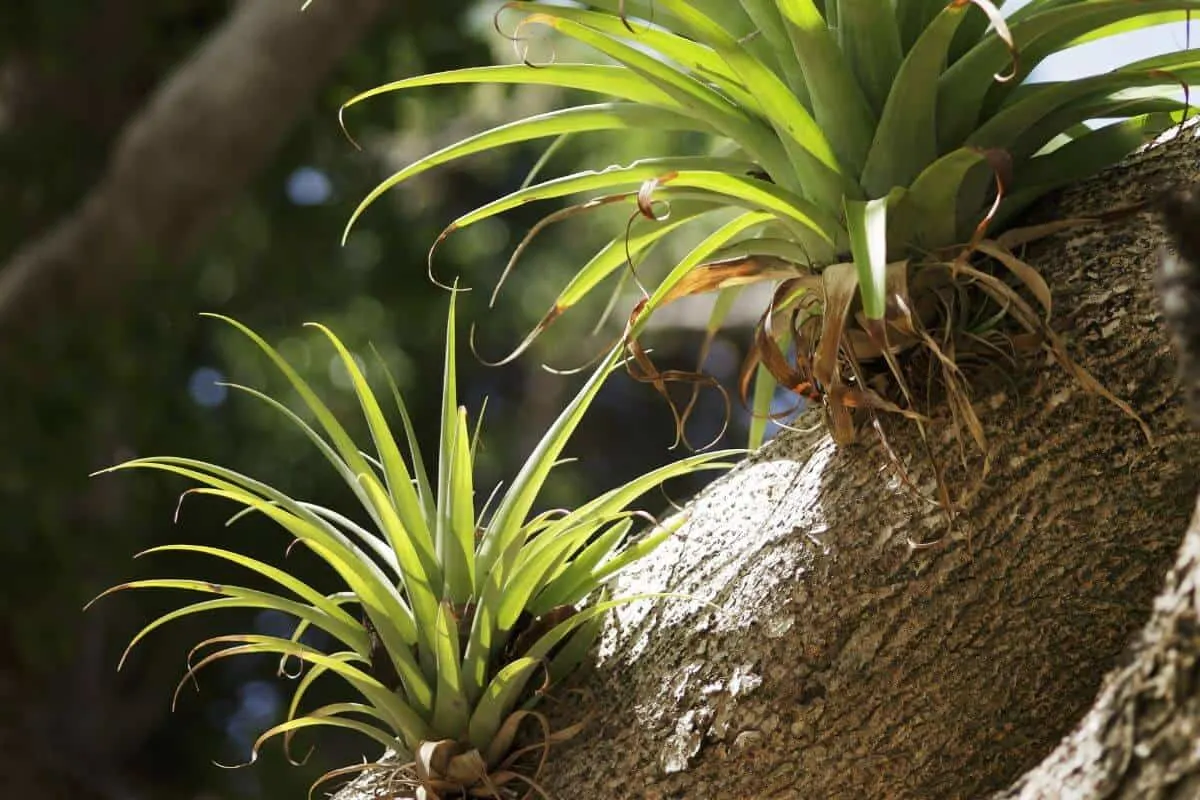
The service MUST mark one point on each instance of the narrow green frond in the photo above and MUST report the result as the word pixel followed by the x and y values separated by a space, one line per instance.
pixel 401 497
pixel 926 216
pixel 378 597
pixel 271 573
pixel 612 80
pixel 463 524
pixel 1039 30
pixel 870 39
pixel 906 140
pixel 424 490
pixel 572 653
pixel 913 19
pixel 611 179
pixel 451 710
pixel 330 716
pixel 814 168
pixel 351 633
pixel 839 105
pixel 578 119
pixel 694 58
pixel 403 718
pixel 498 700
pixel 1083 157
pixel 769 22
pixel 451 478
pixel 505 525
pixel 760 407
pixel 867 223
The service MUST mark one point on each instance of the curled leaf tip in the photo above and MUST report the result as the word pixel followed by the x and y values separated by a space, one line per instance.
pixel 346 133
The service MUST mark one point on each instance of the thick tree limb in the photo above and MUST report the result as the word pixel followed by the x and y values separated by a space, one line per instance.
pixel 209 127
pixel 1139 741
pixel 1140 738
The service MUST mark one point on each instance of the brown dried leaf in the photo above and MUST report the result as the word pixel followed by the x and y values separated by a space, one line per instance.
pixel 839 283
pixel 1025 273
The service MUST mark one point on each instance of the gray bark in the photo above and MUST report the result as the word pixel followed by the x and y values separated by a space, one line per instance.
pixel 207 129
pixel 847 664
pixel 1139 740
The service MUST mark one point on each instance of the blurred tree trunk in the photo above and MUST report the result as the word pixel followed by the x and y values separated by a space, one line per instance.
pixel 184 151
pixel 848 664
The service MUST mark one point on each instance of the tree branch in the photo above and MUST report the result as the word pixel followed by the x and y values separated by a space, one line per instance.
pixel 1139 739
pixel 202 135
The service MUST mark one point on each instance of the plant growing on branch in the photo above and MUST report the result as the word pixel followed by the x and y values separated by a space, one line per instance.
pixel 461 611
pixel 862 155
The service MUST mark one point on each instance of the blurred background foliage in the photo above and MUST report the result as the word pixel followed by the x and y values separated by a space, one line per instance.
pixel 82 390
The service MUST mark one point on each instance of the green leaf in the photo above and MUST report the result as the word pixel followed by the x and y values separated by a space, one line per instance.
pixel 839 105
pixel 760 407
pixel 498 701
pixel 576 577
pixel 767 19
pixel 454 482
pixel 698 62
pixel 813 169
pixel 1040 30
pixel 401 499
pixel 330 716
pixel 698 255
pixel 482 640
pixel 575 649
pixel 580 119
pixel 868 245
pixel 450 711
pixel 926 216
pixel 914 18
pixel 424 490
pixel 504 535
pixel 606 79
pixel 616 178
pixel 1081 158
pixel 298 587
pixel 584 568
pixel 906 139
pixel 812 225
pixel 1023 124
pixel 351 633
pixel 417 584
pixel 870 39
pixel 406 721
pixel 505 526
pixel 378 597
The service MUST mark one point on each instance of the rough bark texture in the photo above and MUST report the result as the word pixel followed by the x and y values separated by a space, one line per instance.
pixel 1139 740
pixel 174 170
pixel 846 664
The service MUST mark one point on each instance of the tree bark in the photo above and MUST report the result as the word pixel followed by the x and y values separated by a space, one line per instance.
pixel 1139 739
pixel 210 126
pixel 845 663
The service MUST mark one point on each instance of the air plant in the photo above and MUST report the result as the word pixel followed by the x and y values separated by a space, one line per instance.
pixel 464 616
pixel 862 156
